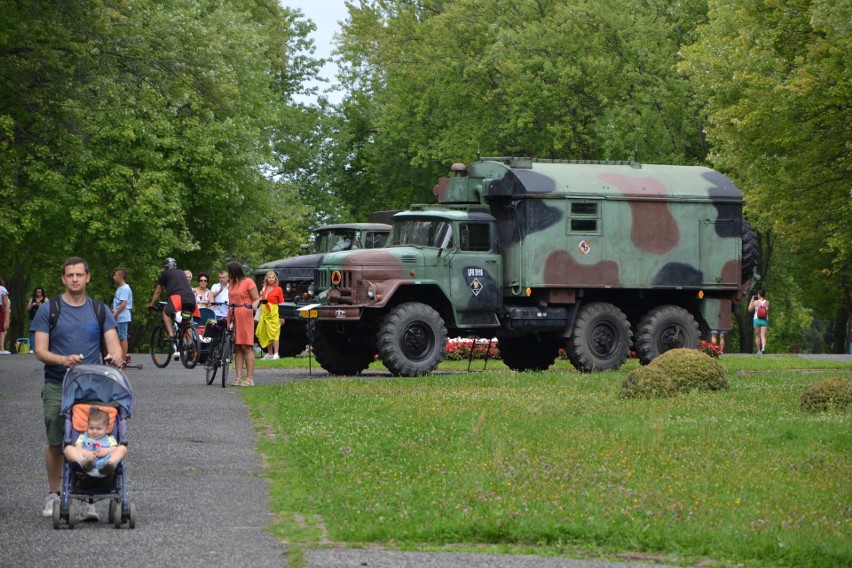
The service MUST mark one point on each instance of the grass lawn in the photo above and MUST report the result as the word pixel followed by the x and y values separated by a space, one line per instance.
pixel 554 463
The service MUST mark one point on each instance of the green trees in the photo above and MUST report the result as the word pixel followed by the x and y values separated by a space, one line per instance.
pixel 134 131
pixel 778 87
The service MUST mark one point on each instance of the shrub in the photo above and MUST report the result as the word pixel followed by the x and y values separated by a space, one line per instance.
pixel 648 382
pixel 690 369
pixel 828 394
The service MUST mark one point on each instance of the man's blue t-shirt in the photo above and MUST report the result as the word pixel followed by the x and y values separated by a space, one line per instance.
pixel 123 294
pixel 77 331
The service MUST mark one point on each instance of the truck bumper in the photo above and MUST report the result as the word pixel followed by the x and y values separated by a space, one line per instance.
pixel 339 313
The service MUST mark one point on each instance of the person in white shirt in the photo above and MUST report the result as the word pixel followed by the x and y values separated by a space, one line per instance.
pixel 219 295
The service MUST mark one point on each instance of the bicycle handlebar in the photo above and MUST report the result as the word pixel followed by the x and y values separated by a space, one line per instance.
pixel 231 305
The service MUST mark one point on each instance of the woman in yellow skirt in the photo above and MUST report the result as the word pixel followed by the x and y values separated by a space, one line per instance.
pixel 269 325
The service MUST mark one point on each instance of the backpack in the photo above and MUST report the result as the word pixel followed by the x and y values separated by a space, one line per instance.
pixel 762 312
pixel 98 306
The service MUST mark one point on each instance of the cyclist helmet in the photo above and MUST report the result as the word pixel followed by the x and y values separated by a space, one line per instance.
pixel 169 263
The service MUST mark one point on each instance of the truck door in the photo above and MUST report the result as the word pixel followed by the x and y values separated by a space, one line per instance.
pixel 476 274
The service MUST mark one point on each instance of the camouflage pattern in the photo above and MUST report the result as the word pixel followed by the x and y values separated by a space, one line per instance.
pixel 516 247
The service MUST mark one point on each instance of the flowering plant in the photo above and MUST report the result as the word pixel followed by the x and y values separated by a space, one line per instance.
pixel 459 349
pixel 710 349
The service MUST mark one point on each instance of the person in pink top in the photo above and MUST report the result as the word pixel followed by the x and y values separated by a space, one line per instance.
pixel 243 291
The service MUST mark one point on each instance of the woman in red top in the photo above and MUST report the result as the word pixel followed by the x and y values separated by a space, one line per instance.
pixel 269 327
pixel 242 290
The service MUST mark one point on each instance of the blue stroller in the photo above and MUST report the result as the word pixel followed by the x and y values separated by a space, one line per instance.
pixel 84 387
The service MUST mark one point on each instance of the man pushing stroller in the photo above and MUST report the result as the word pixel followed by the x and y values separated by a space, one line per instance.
pixel 68 332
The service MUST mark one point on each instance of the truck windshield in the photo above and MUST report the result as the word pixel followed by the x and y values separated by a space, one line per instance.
pixel 422 232
pixel 333 241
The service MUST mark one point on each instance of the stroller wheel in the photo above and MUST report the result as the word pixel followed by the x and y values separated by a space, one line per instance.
pixel 57 513
pixel 131 521
pixel 73 505
pixel 113 503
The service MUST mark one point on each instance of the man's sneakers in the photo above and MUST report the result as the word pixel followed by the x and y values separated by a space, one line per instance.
pixel 48 504
pixel 88 513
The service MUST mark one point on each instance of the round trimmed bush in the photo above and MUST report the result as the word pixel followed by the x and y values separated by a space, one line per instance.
pixel 647 382
pixel 828 394
pixel 691 369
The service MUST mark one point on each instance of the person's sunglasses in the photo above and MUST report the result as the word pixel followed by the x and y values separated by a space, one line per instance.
pixel 202 280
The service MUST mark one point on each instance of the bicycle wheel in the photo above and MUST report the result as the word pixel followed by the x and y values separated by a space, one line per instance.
pixel 161 347
pixel 211 366
pixel 189 348
pixel 227 355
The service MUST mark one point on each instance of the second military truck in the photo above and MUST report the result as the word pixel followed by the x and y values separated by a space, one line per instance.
pixel 594 258
pixel 296 274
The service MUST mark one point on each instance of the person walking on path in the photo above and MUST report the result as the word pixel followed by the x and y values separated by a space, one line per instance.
pixel 243 292
pixel 5 314
pixel 122 304
pixel 74 338
pixel 759 305
pixel 219 295
pixel 269 326
pixel 32 307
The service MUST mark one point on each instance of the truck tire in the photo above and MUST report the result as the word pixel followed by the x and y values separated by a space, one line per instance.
pixel 412 339
pixel 291 344
pixel 749 252
pixel 340 353
pixel 664 328
pixel 526 353
pixel 600 340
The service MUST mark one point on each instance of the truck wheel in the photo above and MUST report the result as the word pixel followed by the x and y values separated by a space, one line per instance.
pixel 291 345
pixel 527 353
pixel 664 328
pixel 600 340
pixel 340 353
pixel 412 340
pixel 749 252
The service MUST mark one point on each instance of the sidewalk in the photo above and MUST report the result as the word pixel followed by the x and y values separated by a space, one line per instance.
pixel 195 479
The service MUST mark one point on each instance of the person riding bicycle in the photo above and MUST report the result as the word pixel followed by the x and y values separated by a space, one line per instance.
pixel 179 291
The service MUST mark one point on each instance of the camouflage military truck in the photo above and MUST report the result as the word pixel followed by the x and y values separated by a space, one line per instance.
pixel 296 274
pixel 591 257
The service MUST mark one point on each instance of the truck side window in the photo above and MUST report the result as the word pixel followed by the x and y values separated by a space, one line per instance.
pixel 476 237
pixel 375 240
pixel 584 217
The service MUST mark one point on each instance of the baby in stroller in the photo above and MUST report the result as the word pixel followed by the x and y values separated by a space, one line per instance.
pixel 96 451
pixel 96 401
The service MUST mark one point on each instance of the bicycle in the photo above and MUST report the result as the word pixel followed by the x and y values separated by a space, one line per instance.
pixel 222 347
pixel 184 337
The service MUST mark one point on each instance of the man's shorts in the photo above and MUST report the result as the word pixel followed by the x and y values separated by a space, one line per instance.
pixel 54 422
pixel 175 304
pixel 121 327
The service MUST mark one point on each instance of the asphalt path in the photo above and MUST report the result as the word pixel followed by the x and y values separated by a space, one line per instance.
pixel 198 485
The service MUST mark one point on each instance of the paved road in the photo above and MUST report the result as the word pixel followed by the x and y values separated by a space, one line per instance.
pixel 197 483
